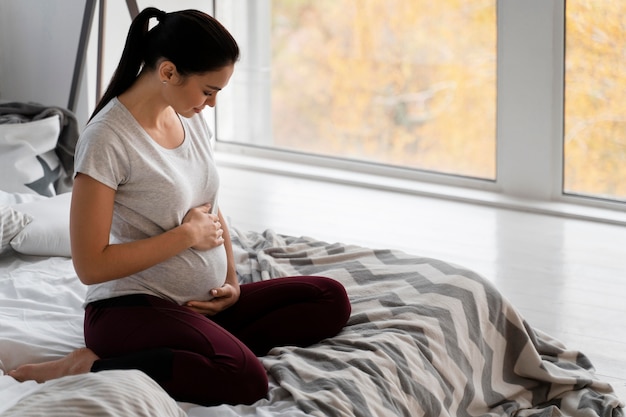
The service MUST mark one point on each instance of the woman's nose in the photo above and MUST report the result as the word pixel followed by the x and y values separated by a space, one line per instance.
pixel 210 101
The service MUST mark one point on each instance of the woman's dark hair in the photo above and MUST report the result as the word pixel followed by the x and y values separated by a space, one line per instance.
pixel 194 41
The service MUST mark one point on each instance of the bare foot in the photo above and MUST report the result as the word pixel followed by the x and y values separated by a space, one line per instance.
pixel 77 362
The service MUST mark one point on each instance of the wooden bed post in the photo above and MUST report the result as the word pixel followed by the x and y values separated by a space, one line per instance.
pixel 81 53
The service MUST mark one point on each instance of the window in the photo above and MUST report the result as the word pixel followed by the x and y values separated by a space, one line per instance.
pixel 404 95
pixel 595 109
pixel 390 82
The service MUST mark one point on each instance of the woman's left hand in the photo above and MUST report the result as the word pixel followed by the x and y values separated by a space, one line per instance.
pixel 223 297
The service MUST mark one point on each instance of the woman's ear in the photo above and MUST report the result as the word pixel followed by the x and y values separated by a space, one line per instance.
pixel 167 72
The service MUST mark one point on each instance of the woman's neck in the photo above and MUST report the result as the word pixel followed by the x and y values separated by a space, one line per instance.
pixel 145 102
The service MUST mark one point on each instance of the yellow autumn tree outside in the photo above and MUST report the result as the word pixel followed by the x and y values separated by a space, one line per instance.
pixel 413 83
pixel 386 81
pixel 595 104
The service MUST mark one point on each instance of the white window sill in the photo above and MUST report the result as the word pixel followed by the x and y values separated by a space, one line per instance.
pixel 251 159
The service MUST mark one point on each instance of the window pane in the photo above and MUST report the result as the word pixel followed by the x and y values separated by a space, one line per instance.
pixel 595 109
pixel 387 81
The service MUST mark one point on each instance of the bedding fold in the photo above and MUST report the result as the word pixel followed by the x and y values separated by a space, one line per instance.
pixel 425 338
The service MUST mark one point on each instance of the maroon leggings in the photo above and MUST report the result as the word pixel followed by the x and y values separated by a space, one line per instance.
pixel 213 360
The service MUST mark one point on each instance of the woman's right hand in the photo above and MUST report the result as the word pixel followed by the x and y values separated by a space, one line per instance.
pixel 205 226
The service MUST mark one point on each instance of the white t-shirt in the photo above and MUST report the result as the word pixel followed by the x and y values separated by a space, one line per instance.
pixel 155 188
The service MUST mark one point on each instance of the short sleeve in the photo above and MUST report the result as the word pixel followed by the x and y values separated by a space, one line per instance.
pixel 101 154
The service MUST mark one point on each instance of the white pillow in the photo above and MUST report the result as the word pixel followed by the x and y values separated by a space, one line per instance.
pixel 12 222
pixel 48 234
pixel 28 162
pixel 16 198
pixel 117 393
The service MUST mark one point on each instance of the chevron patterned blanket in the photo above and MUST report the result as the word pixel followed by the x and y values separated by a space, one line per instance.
pixel 426 338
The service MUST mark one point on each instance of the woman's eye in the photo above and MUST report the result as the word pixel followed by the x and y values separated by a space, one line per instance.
pixel 208 93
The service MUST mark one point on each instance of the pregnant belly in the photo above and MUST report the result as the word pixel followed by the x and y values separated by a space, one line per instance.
pixel 190 275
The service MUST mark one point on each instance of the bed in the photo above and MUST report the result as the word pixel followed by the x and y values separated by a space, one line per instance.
pixel 425 338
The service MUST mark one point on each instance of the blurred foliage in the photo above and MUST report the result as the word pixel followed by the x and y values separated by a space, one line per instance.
pixel 595 105
pixel 387 81
pixel 413 83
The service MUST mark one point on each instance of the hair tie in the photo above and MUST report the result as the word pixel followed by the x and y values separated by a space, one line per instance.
pixel 160 15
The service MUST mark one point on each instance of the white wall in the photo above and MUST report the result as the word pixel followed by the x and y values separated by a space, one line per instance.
pixel 38 44
pixel 39 40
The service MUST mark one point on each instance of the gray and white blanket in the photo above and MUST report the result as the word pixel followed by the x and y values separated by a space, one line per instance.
pixel 426 338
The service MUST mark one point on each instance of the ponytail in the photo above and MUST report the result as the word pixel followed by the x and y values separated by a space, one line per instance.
pixel 130 63
pixel 194 41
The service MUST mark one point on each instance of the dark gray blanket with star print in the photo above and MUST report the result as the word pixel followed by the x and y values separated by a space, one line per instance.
pixel 426 338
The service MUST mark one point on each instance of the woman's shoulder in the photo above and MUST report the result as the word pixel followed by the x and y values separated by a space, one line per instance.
pixel 112 121
pixel 101 151
pixel 104 131
pixel 112 115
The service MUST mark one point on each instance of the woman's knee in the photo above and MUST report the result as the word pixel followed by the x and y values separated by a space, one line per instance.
pixel 215 384
pixel 254 384
pixel 339 300
pixel 334 303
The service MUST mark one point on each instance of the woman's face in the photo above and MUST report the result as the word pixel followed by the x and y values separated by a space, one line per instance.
pixel 194 92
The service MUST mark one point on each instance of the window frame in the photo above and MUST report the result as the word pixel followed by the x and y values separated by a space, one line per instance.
pixel 529 120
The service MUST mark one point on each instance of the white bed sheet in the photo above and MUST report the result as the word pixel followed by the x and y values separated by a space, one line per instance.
pixel 42 298
pixel 41 318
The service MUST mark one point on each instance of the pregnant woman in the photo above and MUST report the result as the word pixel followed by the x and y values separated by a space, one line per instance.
pixel 150 242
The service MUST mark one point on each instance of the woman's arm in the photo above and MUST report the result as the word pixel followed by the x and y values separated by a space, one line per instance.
pixel 96 261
